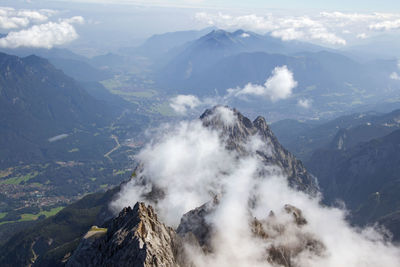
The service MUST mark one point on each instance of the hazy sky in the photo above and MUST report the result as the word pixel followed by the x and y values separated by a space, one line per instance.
pixel 109 24
pixel 343 5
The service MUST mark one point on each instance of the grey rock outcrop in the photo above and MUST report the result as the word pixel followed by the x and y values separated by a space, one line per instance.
pixel 135 238
pixel 238 133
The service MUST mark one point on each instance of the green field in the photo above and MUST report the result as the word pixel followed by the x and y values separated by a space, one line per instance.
pixel 32 217
pixel 20 179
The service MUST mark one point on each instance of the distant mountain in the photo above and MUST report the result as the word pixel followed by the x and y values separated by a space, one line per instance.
pixel 76 66
pixel 339 134
pixel 365 177
pixel 377 47
pixel 197 58
pixel 38 102
pixel 333 82
pixel 45 53
pixel 109 61
pixel 80 70
pixel 159 44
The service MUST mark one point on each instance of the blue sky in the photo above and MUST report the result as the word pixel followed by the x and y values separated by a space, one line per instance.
pixel 341 5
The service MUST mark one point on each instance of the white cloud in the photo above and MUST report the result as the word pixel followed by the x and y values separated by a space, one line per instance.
pixel 245 35
pixel 394 76
pixel 288 34
pixel 324 28
pixel 11 18
pixel 304 103
pixel 278 86
pixel 386 25
pixel 286 28
pixel 44 35
pixel 362 36
pixel 191 164
pixel 225 115
pixel 182 103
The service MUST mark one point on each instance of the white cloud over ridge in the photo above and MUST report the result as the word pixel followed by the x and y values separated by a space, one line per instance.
pixel 325 27
pixel 191 164
pixel 386 25
pixel 304 103
pixel 277 87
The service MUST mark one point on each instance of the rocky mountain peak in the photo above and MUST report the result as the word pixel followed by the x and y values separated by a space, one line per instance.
pixel 134 238
pixel 237 130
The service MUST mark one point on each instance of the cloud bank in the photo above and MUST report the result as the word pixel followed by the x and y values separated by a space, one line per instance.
pixel 190 163
pixel 31 28
pixel 324 28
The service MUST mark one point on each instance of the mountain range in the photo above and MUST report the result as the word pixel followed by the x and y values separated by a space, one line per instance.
pixel 41 245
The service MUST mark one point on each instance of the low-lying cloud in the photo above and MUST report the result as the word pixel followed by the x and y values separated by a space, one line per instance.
pixel 191 165
pixel 304 103
pixel 181 103
pixel 277 87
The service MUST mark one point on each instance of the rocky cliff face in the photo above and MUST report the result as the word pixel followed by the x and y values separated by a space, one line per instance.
pixel 135 238
pixel 365 177
pixel 238 132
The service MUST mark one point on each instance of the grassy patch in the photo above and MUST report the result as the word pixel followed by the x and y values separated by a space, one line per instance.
pixel 3 214
pixel 104 186
pixel 137 94
pixel 120 172
pixel 51 212
pixel 32 217
pixel 98 229
pixel 20 179
pixel 163 109
pixel 73 150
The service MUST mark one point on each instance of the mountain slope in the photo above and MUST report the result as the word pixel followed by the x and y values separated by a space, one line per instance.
pixel 38 102
pixel 341 133
pixel 365 177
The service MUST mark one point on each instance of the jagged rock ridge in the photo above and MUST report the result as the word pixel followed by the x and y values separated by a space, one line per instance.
pixel 241 129
pixel 135 238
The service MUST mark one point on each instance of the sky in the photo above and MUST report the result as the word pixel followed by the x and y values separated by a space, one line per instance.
pixel 107 25
pixel 343 5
